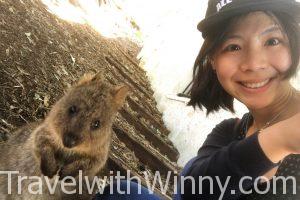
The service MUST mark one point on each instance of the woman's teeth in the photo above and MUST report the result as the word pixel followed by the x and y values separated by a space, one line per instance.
pixel 255 85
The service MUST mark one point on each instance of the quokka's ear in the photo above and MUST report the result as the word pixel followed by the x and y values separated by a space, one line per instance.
pixel 119 95
pixel 86 78
pixel 98 77
pixel 90 77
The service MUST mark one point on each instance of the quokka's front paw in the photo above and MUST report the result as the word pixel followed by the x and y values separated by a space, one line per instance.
pixel 67 171
pixel 49 167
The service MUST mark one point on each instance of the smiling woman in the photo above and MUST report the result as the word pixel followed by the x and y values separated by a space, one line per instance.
pixel 250 52
pixel 252 61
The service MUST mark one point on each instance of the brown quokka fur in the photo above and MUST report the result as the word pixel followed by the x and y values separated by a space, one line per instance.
pixel 75 136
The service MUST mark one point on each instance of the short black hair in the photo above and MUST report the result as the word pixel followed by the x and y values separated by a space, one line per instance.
pixel 206 91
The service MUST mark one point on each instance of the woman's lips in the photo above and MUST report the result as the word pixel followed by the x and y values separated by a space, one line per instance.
pixel 256 86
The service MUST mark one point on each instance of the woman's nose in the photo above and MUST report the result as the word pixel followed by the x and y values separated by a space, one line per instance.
pixel 254 59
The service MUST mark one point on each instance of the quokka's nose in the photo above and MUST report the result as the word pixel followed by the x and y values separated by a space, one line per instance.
pixel 70 140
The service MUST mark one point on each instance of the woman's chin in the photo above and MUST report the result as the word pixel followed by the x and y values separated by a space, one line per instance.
pixel 256 105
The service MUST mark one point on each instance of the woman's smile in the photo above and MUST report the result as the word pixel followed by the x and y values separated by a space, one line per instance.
pixel 256 86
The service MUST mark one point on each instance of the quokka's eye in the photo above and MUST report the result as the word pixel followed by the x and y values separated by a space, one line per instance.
pixel 95 125
pixel 73 110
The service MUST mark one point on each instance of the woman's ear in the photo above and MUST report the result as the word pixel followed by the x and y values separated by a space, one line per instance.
pixel 213 66
pixel 211 60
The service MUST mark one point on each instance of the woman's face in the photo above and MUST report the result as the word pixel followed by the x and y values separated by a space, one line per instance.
pixel 251 61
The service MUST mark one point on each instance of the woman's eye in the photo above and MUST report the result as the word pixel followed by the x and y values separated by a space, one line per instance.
pixel 232 47
pixel 272 42
pixel 95 125
pixel 72 110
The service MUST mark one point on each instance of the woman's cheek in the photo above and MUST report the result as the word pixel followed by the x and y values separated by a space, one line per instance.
pixel 281 60
pixel 225 79
pixel 227 69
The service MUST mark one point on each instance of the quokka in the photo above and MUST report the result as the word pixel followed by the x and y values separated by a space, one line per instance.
pixel 75 136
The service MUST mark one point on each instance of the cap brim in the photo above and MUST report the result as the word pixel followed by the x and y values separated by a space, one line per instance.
pixel 292 8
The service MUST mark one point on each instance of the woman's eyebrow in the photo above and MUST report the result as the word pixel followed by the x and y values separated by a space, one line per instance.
pixel 271 29
pixel 274 28
pixel 233 36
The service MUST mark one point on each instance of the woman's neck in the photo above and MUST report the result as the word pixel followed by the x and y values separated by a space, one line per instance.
pixel 285 106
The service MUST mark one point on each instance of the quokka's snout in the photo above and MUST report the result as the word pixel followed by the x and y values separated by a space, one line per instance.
pixel 71 139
